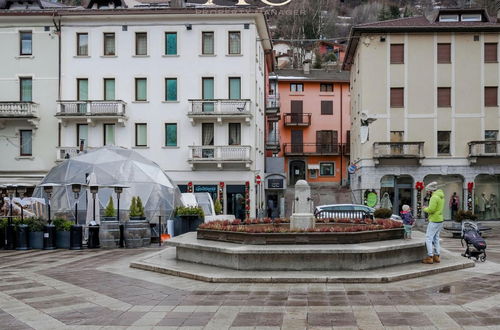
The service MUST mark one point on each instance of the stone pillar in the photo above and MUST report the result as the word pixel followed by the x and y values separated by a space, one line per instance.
pixel 302 217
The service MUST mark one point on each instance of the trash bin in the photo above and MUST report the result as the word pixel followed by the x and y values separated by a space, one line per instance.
pixel 75 237
pixel 93 241
pixel 155 235
pixel 22 237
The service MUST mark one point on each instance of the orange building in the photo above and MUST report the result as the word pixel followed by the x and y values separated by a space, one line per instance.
pixel 308 135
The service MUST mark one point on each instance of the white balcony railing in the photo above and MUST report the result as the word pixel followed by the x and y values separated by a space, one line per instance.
pixel 18 109
pixel 398 150
pixel 217 154
pixel 91 108
pixel 484 149
pixel 219 107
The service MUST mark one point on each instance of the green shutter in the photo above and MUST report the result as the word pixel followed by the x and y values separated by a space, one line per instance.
pixel 83 89
pixel 109 131
pixel 234 88
pixel 142 133
pixel 208 94
pixel 171 43
pixel 109 89
pixel 171 135
pixel 171 89
pixel 26 90
pixel 141 89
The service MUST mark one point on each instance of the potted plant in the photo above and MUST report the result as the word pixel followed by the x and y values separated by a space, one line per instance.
pixel 218 207
pixel 109 211
pixel 3 225
pixel 191 217
pixel 63 228
pixel 35 226
pixel 136 232
pixel 382 213
pixel 136 209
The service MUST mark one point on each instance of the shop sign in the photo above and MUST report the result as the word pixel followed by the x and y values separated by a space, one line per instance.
pixel 208 189
pixel 275 183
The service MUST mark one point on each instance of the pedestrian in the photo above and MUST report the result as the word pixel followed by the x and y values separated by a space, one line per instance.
pixel 435 212
pixel 408 221
pixel 270 208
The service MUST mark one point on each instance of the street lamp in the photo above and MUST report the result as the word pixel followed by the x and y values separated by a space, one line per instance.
pixel 49 230
pixel 76 234
pixel 9 233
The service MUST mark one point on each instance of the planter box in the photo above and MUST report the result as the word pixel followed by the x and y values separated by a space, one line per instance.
pixel 63 239
pixel 36 239
pixel 301 238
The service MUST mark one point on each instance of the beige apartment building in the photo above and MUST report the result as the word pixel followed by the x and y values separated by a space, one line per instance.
pixel 424 107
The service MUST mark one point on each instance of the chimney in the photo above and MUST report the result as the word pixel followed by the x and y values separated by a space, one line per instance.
pixel 306 65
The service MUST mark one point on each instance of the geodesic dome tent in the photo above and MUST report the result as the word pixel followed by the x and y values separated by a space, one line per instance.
pixel 112 166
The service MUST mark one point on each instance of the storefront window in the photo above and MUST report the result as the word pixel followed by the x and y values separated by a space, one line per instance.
pixel 452 186
pixel 486 193
pixel 235 195
pixel 396 191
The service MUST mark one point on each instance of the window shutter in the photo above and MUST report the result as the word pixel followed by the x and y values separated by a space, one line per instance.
pixel 397 97
pixel 171 41
pixel 444 53
pixel 444 97
pixel 490 52
pixel 327 107
pixel 397 54
pixel 491 96
pixel 141 43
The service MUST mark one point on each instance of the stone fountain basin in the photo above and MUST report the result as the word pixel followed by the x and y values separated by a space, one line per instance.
pixel 301 237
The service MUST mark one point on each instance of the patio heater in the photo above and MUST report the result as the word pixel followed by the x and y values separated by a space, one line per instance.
pixel 22 233
pixel 10 243
pixel 93 240
pixel 76 232
pixel 49 230
pixel 118 191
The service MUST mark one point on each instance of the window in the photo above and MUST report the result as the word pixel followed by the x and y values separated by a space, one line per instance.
pixel 444 97
pixel 207 135
pixel 109 134
pixel 443 143
pixel 326 87
pixel 141 135
pixel 327 141
pixel 491 96
pixel 327 107
pixel 397 53
pixel 208 94
pixel 141 89
pixel 490 52
pixel 82 93
pixel 448 18
pixel 444 53
pixel 82 135
pixel 109 89
pixel 170 43
pixel 235 88
pixel 82 44
pixel 234 42
pixel 26 90
pixel 109 44
pixel 234 134
pixel 26 142
pixel 296 87
pixel 141 43
pixel 327 169
pixel 207 43
pixel 26 39
pixel 491 147
pixel 472 18
pixel 170 89
pixel 171 135
pixel 397 97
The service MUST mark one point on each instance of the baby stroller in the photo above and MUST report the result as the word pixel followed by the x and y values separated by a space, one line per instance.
pixel 476 245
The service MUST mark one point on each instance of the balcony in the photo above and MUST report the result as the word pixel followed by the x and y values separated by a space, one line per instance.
pixel 219 110
pixel 63 153
pixel 346 149
pixel 27 111
pixel 484 152
pixel 273 106
pixel 398 152
pixel 92 111
pixel 220 155
pixel 297 119
pixel 311 149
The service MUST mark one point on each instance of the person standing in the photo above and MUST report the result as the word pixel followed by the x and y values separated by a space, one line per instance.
pixel 435 212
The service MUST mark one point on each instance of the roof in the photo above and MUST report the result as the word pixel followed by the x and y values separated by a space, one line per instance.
pixel 314 75
pixel 420 24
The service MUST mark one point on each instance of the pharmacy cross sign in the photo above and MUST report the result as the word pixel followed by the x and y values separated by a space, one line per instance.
pixel 244 3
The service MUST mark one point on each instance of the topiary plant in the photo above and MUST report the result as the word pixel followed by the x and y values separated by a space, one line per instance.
pixel 133 207
pixel 35 224
pixel 382 213
pixel 218 207
pixel 136 208
pixel 465 215
pixel 189 211
pixel 109 211
pixel 140 208
pixel 62 224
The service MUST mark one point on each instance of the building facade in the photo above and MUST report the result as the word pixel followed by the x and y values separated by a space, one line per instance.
pixel 310 133
pixel 182 86
pixel 424 96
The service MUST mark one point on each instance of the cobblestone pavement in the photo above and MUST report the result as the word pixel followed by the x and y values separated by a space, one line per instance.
pixel 95 289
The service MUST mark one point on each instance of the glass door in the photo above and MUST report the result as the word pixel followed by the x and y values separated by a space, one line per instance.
pixel 208 94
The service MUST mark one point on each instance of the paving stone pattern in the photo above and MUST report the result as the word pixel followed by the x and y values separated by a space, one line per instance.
pixel 96 289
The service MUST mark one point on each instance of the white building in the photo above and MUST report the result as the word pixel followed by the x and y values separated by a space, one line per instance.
pixel 183 86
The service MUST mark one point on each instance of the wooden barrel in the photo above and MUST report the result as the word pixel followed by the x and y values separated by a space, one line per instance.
pixel 109 234
pixel 137 233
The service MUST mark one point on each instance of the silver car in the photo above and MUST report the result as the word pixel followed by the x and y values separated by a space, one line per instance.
pixel 348 210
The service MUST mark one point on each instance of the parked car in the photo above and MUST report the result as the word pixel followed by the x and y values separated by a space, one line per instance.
pixel 347 210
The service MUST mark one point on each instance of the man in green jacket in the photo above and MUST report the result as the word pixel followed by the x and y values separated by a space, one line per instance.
pixel 435 212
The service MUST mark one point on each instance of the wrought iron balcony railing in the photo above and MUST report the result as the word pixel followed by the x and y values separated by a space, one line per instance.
pixel 297 119
pixel 398 150
pixel 291 149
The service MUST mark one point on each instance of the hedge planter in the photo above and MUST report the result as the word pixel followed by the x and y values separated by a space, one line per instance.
pixel 22 237
pixel 36 239
pixel 63 239
pixel 190 222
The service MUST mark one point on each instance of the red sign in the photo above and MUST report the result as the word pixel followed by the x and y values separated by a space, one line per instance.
pixel 258 180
